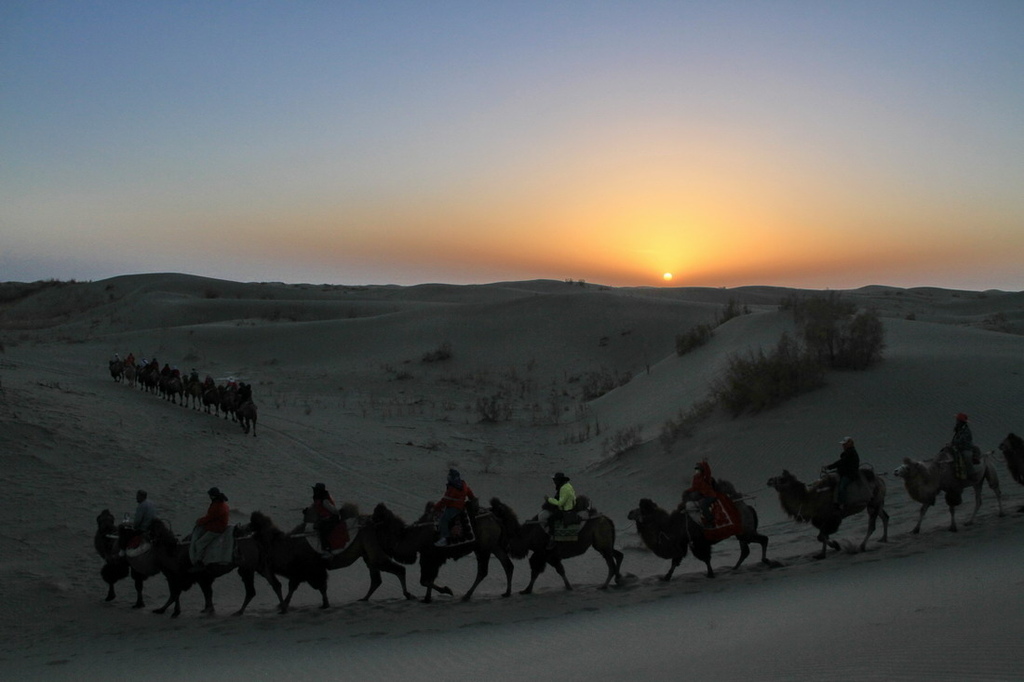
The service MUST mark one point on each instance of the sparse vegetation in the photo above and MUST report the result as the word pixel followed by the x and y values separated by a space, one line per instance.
pixel 494 409
pixel 762 380
pixel 441 353
pixel 622 440
pixel 836 333
pixel 694 338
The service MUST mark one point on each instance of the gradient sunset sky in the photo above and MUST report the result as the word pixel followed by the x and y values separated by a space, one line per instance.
pixel 807 143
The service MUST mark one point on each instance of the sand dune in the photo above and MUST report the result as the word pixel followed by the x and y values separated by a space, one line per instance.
pixel 346 397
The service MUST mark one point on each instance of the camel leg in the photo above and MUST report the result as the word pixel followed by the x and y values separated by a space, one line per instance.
pixel 139 603
pixel 537 565
pixel 556 562
pixel 207 587
pixel 671 569
pixel 249 581
pixel 952 518
pixel 703 553
pixel 293 585
pixel 744 553
pixel 483 561
pixel 614 560
pixel 398 570
pixel 920 518
pixel 375 582
pixel 506 564
pixel 763 541
pixel 173 598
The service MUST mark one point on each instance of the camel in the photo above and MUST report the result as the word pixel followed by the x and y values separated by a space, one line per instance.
pixel 1012 448
pixel 117 370
pixel 170 557
pixel 404 543
pixel 130 374
pixel 280 554
pixel 924 480
pixel 171 387
pixel 193 390
pixel 367 545
pixel 815 504
pixel 597 531
pixel 149 378
pixel 115 566
pixel 246 414
pixel 211 397
pixel 669 535
pixel 229 401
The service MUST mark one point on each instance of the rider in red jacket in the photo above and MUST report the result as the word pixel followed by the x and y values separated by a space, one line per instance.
pixel 703 485
pixel 456 493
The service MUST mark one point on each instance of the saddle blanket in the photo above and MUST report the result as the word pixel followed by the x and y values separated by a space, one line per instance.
pixel 137 549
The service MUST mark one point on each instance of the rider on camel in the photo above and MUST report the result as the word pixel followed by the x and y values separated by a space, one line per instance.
pixel 327 514
pixel 704 485
pixel 847 467
pixel 209 527
pixel 963 448
pixel 563 501
pixel 453 502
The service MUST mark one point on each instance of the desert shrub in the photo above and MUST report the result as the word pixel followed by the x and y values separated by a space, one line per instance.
pixel 441 353
pixel 836 333
pixel 494 409
pixel 596 384
pixel 861 342
pixel 682 425
pixel 694 338
pixel 732 309
pixel 623 440
pixel 762 380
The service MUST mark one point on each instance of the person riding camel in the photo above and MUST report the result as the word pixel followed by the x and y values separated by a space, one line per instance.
pixel 847 467
pixel 963 448
pixel 563 501
pixel 209 527
pixel 456 493
pixel 327 513
pixel 145 512
pixel 704 485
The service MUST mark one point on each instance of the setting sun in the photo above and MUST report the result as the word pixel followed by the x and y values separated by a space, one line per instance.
pixel 667 277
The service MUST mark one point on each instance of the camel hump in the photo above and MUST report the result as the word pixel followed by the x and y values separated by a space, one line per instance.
pixel 348 510
pixel 582 504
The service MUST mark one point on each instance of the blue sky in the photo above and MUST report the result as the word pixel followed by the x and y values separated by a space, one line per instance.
pixel 791 143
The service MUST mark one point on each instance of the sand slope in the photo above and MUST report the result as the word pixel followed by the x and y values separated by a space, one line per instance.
pixel 346 397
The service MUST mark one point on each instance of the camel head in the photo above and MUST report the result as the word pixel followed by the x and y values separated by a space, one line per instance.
pixel 1012 443
pixel 385 517
pixel 105 520
pixel 903 470
pixel 258 521
pixel 782 480
pixel 644 511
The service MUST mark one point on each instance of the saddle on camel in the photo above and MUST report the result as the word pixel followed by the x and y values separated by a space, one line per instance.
pixel 713 510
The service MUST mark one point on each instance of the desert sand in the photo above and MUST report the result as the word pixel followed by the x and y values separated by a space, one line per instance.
pixel 347 396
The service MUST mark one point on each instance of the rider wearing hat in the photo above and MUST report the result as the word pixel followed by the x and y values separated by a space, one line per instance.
pixel 326 511
pixel 963 447
pixel 703 485
pixel 209 527
pixel 456 492
pixel 847 467
pixel 563 501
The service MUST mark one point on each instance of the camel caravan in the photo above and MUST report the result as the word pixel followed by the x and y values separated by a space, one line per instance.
pixel 330 537
pixel 232 398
